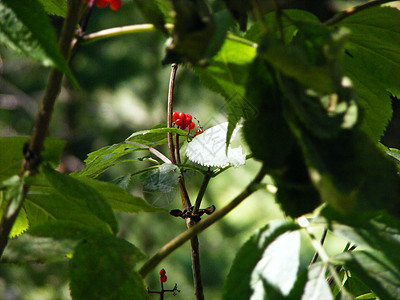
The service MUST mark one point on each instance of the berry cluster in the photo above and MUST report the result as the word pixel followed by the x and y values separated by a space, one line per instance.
pixel 114 4
pixel 163 277
pixel 184 121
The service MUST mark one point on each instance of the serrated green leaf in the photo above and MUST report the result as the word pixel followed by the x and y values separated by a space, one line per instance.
pixel 109 263
pixel 161 178
pixel 83 195
pixel 226 74
pixel 55 7
pixel 317 286
pixel 101 160
pixel 258 259
pixel 25 27
pixel 12 155
pixel 373 268
pixel 373 63
pixel 151 11
pixel 29 249
pixel 120 199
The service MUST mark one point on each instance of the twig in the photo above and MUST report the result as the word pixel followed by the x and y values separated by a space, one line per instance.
pixel 348 12
pixel 202 190
pixel 42 122
pixel 315 257
pixel 202 225
pixel 174 68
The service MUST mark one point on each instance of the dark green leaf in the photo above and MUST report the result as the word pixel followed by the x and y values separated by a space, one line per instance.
pixel 151 11
pixel 25 27
pixel 118 198
pixel 373 63
pixel 194 28
pixel 12 155
pixel 109 263
pixel 161 178
pixel 373 268
pixel 272 255
pixel 82 194
pixel 55 7
pixel 153 137
pixel 239 9
pixel 289 20
pixel 29 249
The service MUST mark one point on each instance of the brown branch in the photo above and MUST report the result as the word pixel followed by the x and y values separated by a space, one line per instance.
pixel 174 67
pixel 351 11
pixel 202 225
pixel 43 118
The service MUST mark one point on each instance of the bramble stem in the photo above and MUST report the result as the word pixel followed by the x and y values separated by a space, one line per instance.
pixel 42 122
pixel 351 11
pixel 202 225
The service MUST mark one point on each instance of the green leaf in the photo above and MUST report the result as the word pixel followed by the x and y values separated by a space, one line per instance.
pixel 161 178
pixel 151 11
pixel 153 137
pixel 11 149
pixel 317 286
pixel 29 249
pixel 226 74
pixel 272 255
pixel 55 7
pixel 120 199
pixel 373 63
pixel 374 269
pixel 109 263
pixel 101 160
pixel 82 194
pixel 239 9
pixel 290 18
pixel 194 28
pixel 12 188
pixel 25 27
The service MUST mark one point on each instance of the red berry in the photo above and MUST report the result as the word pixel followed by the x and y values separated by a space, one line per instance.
pixel 192 125
pixel 115 4
pixel 199 131
pixel 182 116
pixel 162 272
pixel 102 3
pixel 188 117
pixel 163 278
pixel 183 126
pixel 175 116
pixel 179 122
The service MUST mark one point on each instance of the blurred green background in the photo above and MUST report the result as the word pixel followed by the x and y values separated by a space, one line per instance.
pixel 123 90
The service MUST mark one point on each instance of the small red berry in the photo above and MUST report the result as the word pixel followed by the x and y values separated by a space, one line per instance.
pixel 182 116
pixel 115 4
pixel 179 122
pixel 102 3
pixel 183 126
pixel 163 278
pixel 175 116
pixel 162 272
pixel 199 131
pixel 188 117
pixel 192 125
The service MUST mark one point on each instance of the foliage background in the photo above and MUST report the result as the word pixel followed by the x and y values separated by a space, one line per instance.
pixel 124 89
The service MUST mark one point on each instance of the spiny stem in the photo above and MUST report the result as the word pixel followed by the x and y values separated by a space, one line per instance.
pixel 202 225
pixel 351 11
pixel 42 121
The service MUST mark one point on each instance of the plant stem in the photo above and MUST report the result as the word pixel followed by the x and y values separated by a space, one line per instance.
pixel 351 11
pixel 42 122
pixel 200 195
pixel 315 257
pixel 174 68
pixel 202 225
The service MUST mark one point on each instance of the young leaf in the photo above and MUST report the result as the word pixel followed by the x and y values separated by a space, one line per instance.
pixel 373 268
pixel 25 27
pixel 83 195
pixel 272 254
pixel 162 178
pixel 11 149
pixel 109 263
pixel 373 63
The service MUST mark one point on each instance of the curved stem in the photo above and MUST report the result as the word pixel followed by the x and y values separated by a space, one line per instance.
pixel 42 123
pixel 200 195
pixel 351 11
pixel 202 225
